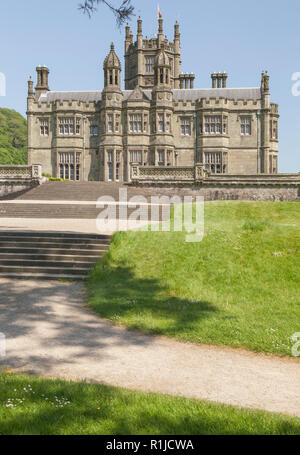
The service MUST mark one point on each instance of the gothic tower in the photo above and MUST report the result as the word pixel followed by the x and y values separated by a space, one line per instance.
pixel 111 158
pixel 140 56
pixel 162 138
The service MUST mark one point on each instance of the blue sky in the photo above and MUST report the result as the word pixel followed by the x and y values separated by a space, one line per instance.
pixel 242 38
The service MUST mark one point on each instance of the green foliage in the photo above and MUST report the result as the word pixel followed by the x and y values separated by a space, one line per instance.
pixel 238 287
pixel 37 406
pixel 13 137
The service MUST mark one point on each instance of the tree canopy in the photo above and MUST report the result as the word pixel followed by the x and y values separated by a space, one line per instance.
pixel 13 137
pixel 122 13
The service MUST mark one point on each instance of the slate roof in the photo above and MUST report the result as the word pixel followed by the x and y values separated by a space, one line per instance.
pixel 229 93
pixel 184 95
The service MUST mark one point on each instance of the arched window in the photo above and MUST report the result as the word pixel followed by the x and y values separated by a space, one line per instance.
pixel 110 78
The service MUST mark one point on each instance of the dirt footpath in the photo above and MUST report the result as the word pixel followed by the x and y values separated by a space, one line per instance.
pixel 50 332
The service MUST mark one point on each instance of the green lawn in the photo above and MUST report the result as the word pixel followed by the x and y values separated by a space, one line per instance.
pixel 31 405
pixel 238 287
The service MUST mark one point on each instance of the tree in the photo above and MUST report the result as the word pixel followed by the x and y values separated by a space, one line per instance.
pixel 122 13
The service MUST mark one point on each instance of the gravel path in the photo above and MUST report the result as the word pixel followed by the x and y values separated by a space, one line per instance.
pixel 50 332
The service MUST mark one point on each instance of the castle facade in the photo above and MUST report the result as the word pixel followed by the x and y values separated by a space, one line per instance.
pixel 159 120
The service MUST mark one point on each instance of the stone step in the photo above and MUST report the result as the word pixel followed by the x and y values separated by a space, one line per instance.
pixel 45 263
pixel 61 245
pixel 55 235
pixel 70 211
pixel 44 269
pixel 48 257
pixel 42 276
pixel 53 240
pixel 53 250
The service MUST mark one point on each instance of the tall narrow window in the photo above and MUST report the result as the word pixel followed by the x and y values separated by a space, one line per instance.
pixel 135 123
pixel 161 157
pixel 117 125
pixel 136 156
pixel 110 123
pixel 94 127
pixel 44 127
pixel 110 165
pixel 149 64
pixel 214 163
pixel 273 129
pixel 168 123
pixel 186 126
pixel 78 126
pixel 117 172
pixel 245 126
pixel 68 169
pixel 161 123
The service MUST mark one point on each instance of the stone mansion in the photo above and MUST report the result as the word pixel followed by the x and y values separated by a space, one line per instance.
pixel 160 119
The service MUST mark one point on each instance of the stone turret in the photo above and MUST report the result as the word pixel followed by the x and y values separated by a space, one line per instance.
pixel 162 69
pixel 112 70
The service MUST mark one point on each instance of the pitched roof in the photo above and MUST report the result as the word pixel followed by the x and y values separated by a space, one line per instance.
pixel 184 95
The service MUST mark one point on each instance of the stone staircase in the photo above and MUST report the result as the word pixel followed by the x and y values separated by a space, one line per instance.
pixel 49 255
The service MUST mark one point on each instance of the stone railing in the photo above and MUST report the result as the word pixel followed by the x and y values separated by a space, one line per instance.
pixel 16 179
pixel 167 174
pixel 198 175
pixel 21 172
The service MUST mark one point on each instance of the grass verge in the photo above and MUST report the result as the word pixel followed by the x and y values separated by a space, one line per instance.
pixel 37 406
pixel 238 287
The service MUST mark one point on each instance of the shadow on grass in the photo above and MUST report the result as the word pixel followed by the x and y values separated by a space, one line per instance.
pixel 96 409
pixel 117 294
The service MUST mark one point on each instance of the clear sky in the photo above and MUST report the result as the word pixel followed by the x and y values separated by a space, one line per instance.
pixel 241 37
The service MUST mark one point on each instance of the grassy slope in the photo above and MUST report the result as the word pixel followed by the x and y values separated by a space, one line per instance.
pixel 13 137
pixel 238 287
pixel 60 407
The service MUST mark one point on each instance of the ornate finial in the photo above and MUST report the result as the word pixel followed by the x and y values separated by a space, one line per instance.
pixel 112 47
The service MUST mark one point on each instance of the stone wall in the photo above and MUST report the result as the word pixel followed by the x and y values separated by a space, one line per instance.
pixel 196 180
pixel 230 193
